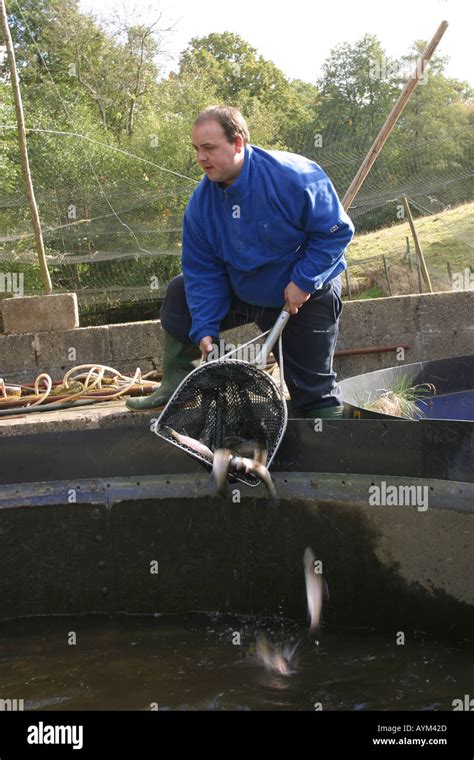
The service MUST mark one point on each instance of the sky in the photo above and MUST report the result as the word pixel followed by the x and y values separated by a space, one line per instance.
pixel 297 35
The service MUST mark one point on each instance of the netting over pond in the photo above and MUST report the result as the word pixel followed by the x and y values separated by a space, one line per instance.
pixel 113 234
pixel 112 222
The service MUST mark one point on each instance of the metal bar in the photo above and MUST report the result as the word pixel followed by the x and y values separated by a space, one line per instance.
pixel 262 356
pixel 374 350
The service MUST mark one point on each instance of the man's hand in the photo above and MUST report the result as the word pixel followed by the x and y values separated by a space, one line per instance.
pixel 205 344
pixel 295 297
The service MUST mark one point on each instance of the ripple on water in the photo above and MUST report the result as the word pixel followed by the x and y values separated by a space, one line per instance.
pixel 192 662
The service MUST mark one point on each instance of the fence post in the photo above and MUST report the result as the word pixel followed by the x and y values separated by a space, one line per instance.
pixel 348 285
pixel 387 276
pixel 419 252
pixel 408 254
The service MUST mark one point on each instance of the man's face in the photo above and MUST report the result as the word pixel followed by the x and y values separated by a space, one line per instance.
pixel 221 160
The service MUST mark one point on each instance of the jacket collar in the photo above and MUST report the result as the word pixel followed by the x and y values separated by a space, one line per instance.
pixel 239 185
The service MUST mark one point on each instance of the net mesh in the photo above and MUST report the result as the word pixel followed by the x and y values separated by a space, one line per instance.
pixel 112 225
pixel 222 404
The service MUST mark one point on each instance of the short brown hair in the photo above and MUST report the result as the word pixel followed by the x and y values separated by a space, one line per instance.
pixel 230 119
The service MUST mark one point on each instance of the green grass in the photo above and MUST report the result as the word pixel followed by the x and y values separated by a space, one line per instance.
pixel 374 292
pixel 401 400
pixel 444 237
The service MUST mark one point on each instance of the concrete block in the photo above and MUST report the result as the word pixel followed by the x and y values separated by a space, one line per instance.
pixel 435 311
pixel 464 341
pixel 32 314
pixel 137 343
pixel 434 326
pixel 17 354
pixel 59 351
pixel 349 366
pixel 375 318
pixel 437 344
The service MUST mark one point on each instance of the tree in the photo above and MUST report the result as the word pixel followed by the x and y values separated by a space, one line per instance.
pixel 242 78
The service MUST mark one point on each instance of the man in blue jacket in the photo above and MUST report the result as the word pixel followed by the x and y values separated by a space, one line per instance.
pixel 263 227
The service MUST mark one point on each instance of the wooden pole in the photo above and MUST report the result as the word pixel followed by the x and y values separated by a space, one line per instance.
pixel 419 252
pixel 418 272
pixel 348 285
pixel 47 285
pixel 387 276
pixel 392 118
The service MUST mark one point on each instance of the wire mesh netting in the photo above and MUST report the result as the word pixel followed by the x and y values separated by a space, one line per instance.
pixel 114 235
pixel 224 403
pixel 113 167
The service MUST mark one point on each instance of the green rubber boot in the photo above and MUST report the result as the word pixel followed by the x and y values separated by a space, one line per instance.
pixel 324 413
pixel 177 364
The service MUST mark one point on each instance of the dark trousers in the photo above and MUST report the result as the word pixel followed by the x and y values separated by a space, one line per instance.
pixel 309 338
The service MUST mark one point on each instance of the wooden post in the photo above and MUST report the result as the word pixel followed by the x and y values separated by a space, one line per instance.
pixel 419 252
pixel 392 118
pixel 408 253
pixel 348 284
pixel 450 272
pixel 47 285
pixel 418 272
pixel 387 276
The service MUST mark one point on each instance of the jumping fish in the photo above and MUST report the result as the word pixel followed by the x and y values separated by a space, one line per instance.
pixel 254 467
pixel 315 586
pixel 225 462
pixel 220 468
pixel 190 443
pixel 275 659
pixel 245 448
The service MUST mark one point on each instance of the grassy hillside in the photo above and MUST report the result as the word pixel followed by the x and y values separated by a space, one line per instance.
pixel 446 237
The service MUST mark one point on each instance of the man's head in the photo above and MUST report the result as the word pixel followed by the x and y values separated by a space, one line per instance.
pixel 219 137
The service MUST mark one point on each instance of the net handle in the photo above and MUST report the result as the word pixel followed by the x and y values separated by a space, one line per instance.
pixel 277 329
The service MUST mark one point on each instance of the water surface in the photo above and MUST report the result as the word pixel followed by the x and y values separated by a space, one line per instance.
pixel 194 662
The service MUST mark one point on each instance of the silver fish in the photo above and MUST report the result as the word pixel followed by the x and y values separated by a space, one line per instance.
pixel 244 448
pixel 220 468
pixel 275 659
pixel 191 443
pixel 225 462
pixel 315 584
pixel 253 467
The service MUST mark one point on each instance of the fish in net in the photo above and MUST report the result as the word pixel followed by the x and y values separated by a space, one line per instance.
pixel 226 403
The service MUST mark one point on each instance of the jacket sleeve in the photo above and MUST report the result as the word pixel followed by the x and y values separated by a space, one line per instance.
pixel 206 284
pixel 329 232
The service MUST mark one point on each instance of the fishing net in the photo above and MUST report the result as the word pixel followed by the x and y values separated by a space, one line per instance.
pixel 223 403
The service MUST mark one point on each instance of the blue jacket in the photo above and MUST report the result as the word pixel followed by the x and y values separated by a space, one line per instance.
pixel 279 221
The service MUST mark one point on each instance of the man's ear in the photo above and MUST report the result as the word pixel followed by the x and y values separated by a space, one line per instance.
pixel 239 144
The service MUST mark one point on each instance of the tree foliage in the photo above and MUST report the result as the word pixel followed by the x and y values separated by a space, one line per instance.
pixel 104 82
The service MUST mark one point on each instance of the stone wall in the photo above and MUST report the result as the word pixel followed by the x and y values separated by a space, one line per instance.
pixel 433 326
